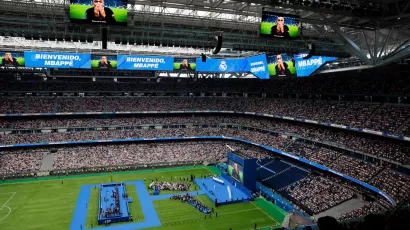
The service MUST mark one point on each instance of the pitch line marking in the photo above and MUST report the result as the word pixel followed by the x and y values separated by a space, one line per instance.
pixel 7 193
pixel 4 205
pixel 225 213
pixel 265 213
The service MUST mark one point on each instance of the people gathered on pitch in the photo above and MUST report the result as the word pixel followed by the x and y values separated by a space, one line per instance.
pixel 112 209
pixel 175 186
pixel 190 199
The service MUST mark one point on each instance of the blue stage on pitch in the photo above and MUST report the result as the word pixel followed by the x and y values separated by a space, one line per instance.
pixel 108 201
pixel 215 190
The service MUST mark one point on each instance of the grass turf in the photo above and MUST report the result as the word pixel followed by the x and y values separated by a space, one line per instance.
pixel 46 203
pixel 176 215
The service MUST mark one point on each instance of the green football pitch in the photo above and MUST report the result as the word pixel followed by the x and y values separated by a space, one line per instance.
pixel 49 203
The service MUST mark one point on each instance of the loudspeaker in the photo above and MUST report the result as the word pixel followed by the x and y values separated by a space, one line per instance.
pixel 218 45
pixel 312 50
pixel 104 38
pixel 203 57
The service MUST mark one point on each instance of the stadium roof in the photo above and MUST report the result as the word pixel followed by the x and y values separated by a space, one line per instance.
pixel 374 32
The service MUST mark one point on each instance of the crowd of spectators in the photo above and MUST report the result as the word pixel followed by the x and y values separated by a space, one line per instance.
pixel 388 118
pixel 22 161
pixel 165 185
pixel 318 193
pixel 256 137
pixel 358 85
pixel 137 154
pixel 378 146
pixel 383 117
pixel 370 208
pixel 112 209
pixel 77 157
pixel 394 184
pixel 382 147
pixel 355 168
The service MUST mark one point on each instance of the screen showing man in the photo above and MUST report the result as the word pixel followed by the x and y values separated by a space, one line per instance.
pixel 11 59
pixel 103 62
pixel 99 11
pixel 280 29
pixel 235 170
pixel 281 68
pixel 281 65
pixel 279 25
pixel 185 64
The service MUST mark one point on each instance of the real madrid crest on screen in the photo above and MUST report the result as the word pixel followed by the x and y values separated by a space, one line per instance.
pixel 223 66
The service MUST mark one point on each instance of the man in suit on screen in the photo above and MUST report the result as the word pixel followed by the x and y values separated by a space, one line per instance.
pixel 280 29
pixel 99 13
pixel 235 172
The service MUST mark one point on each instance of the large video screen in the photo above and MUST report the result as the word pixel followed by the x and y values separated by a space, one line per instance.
pixel 12 59
pixel 99 11
pixel 279 25
pixel 103 61
pixel 305 67
pixel 57 60
pixel 235 170
pixel 145 62
pixel 255 65
pixel 281 65
pixel 185 64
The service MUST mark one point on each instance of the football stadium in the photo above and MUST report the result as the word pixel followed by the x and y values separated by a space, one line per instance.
pixel 205 114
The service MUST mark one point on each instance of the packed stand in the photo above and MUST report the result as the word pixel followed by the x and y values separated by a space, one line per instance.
pixel 139 154
pixel 318 193
pixel 394 184
pixel 21 161
pixel 313 85
pixel 355 168
pixel 371 208
pixel 325 156
pixel 256 137
pixel 387 118
pixel 301 149
pixel 378 146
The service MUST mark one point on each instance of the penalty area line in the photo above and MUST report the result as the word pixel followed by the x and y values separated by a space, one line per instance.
pixel 4 205
pixel 265 213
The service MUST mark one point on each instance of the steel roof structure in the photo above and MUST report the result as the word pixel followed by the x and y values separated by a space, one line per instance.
pixel 372 32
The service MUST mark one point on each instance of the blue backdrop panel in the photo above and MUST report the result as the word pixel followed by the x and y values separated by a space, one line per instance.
pixel 249 174
pixel 57 60
pixel 249 170
pixel 258 66
pixel 145 62
pixel 305 67
pixel 222 65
